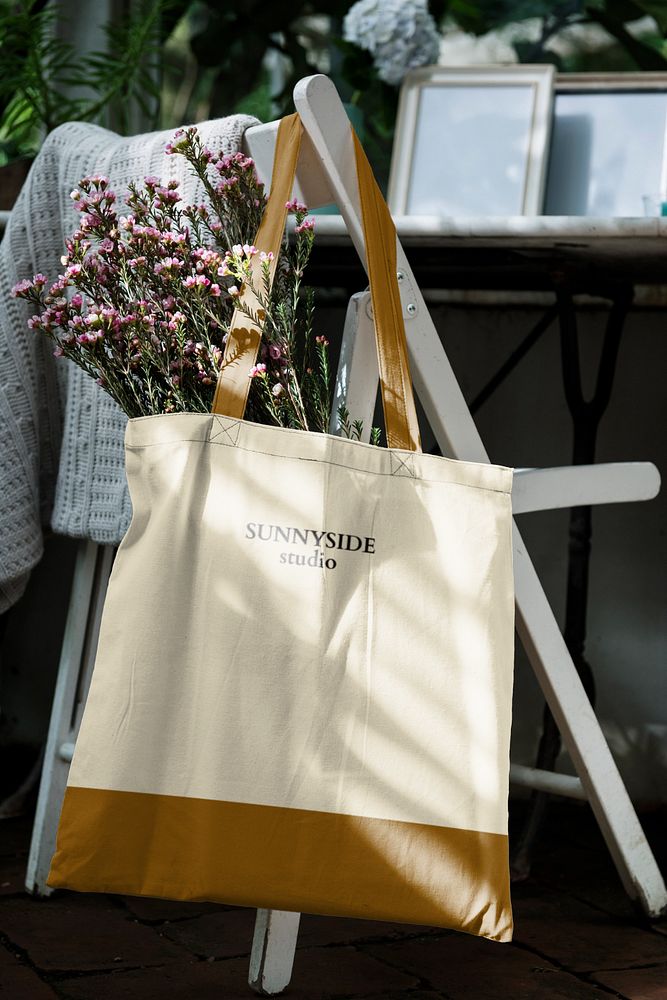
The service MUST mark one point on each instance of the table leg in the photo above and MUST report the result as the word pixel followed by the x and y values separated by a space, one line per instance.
pixel 586 416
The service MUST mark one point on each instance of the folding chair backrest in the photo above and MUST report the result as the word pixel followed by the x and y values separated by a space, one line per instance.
pixel 327 173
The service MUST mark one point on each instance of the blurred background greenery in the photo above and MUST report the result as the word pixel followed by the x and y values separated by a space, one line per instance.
pixel 161 63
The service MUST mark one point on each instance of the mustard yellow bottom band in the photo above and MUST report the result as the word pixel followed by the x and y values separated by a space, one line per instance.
pixel 287 859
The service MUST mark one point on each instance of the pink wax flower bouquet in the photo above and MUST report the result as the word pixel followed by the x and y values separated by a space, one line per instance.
pixel 146 297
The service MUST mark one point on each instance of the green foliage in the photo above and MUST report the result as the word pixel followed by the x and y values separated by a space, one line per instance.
pixel 221 49
pixel 626 50
pixel 354 429
pixel 44 81
pixel 205 79
pixel 258 101
pixel 128 71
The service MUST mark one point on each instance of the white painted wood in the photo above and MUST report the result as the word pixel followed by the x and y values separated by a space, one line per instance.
pixel 583 485
pixel 276 931
pixel 358 375
pixel 91 573
pixel 328 127
pixel 451 422
pixel 547 781
pixel 311 185
pixel 583 738
pixel 273 947
pixel 275 936
pixel 448 415
pixel 619 239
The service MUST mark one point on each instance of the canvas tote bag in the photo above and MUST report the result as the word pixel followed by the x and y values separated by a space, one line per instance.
pixel 301 698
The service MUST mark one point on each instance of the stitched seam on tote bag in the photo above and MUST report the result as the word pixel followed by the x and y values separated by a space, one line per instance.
pixel 322 461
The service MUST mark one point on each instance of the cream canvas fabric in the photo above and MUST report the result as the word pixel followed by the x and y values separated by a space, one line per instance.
pixel 302 693
pixel 306 623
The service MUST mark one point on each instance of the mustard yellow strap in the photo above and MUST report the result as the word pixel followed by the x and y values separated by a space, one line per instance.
pixel 242 347
pixel 380 240
pixel 400 415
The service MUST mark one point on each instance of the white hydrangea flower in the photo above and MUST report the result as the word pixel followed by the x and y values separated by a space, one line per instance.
pixel 399 34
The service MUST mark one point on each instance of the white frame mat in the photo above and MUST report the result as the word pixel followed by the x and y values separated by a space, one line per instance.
pixel 417 153
pixel 608 145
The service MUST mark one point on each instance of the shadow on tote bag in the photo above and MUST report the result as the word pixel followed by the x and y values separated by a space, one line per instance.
pixel 302 692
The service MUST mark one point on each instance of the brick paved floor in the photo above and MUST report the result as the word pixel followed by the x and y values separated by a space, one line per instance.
pixel 576 938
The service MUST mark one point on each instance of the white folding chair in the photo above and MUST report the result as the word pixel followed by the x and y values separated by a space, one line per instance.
pixel 77 656
pixel 327 174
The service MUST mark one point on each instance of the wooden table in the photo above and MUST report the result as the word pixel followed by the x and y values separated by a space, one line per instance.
pixel 519 253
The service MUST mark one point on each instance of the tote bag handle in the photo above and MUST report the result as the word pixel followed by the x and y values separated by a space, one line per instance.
pixel 244 337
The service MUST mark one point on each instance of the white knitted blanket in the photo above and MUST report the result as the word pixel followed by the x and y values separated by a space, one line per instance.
pixel 61 436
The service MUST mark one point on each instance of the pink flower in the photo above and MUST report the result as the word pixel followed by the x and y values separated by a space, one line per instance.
pixel 59 286
pixel 257 371
pixel 322 340
pixel 178 142
pixel 21 287
pixel 167 195
pixel 306 226
pixel 196 281
pixel 295 206
pixel 277 389
pixel 176 320
pixel 226 182
pixel 168 264
pixel 274 352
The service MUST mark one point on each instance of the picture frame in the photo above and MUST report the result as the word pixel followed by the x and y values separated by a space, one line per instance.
pixel 439 165
pixel 608 145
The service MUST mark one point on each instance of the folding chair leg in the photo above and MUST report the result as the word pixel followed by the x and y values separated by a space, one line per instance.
pixel 358 374
pixel 91 573
pixel 601 783
pixel 273 947
pixel 276 931
pixel 584 739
